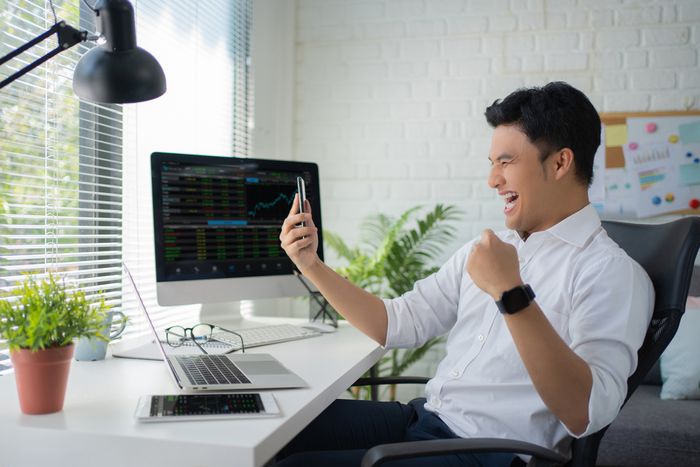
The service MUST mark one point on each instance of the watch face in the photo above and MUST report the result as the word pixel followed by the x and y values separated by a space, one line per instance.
pixel 516 299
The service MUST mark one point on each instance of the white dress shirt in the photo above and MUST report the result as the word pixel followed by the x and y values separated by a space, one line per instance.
pixel 596 297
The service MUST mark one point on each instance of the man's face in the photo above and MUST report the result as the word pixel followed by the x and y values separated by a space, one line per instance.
pixel 521 181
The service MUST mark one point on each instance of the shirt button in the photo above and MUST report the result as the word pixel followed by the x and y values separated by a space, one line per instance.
pixel 521 260
pixel 481 337
pixel 454 373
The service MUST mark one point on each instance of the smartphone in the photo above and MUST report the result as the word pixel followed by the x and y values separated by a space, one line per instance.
pixel 214 406
pixel 301 189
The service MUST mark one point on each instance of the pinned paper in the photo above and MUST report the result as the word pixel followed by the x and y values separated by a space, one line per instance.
pixel 620 197
pixel 660 154
pixel 615 135
pixel 690 174
pixel 690 132
pixel 657 180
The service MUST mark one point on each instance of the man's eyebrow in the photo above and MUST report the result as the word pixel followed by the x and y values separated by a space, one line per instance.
pixel 502 157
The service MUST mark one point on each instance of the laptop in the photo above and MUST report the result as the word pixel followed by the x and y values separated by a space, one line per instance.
pixel 217 372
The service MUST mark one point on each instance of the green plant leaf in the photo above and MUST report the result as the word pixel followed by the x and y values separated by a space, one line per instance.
pixel 340 247
pixel 390 259
pixel 39 315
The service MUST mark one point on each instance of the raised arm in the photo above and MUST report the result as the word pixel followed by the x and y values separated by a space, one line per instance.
pixel 562 378
pixel 362 309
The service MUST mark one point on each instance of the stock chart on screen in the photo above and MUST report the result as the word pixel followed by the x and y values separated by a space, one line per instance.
pixel 219 219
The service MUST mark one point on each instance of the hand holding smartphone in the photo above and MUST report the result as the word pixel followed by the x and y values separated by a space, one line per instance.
pixel 301 189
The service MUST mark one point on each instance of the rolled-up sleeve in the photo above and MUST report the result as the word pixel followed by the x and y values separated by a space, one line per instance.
pixel 611 310
pixel 430 308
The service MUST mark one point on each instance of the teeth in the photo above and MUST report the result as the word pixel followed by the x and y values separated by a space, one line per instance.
pixel 509 198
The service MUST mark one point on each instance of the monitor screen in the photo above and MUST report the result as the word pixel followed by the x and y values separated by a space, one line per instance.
pixel 217 222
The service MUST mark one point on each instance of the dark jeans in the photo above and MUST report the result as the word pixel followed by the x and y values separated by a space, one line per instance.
pixel 341 435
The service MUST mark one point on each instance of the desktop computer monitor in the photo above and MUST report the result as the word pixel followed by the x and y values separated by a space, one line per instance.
pixel 217 222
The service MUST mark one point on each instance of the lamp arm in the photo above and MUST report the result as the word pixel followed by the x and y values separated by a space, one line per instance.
pixel 67 36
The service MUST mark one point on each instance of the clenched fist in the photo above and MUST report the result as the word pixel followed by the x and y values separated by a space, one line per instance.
pixel 493 265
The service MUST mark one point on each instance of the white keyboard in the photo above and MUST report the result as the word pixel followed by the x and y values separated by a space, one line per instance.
pixel 264 335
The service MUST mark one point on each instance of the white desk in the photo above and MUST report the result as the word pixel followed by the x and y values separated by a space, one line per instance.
pixel 97 428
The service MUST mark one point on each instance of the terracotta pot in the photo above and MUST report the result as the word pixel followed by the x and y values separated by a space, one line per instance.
pixel 42 378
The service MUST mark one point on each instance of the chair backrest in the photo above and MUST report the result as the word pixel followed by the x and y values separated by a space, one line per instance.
pixel 667 252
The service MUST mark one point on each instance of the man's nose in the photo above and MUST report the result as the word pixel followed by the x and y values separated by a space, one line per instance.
pixel 495 177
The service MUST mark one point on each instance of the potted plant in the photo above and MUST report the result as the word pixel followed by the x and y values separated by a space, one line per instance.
pixel 389 260
pixel 39 321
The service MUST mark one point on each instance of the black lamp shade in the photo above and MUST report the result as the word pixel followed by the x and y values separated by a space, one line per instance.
pixel 118 77
pixel 118 71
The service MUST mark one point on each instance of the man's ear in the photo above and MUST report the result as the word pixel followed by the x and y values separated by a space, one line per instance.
pixel 562 163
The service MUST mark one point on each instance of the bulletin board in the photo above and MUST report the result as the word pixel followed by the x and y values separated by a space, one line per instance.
pixel 648 164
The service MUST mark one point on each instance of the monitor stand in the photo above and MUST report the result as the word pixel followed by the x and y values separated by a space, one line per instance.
pixel 247 313
pixel 220 313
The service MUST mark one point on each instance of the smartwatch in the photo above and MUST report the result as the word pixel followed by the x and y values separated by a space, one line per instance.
pixel 514 300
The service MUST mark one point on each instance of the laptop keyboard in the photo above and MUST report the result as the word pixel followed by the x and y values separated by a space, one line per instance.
pixel 211 369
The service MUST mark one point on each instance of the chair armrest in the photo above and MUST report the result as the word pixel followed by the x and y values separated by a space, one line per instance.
pixel 390 380
pixel 386 452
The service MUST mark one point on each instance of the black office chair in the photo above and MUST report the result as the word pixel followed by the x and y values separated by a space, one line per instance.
pixel 667 252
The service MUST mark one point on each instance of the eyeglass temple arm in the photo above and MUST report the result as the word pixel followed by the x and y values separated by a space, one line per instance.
pixel 200 347
pixel 235 333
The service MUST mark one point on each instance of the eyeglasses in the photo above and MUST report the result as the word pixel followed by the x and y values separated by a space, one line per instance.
pixel 199 334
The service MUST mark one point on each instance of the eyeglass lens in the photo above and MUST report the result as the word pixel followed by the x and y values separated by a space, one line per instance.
pixel 177 335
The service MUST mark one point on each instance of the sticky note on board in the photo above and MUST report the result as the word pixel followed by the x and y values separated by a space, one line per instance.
pixel 690 132
pixel 615 135
pixel 614 158
pixel 690 174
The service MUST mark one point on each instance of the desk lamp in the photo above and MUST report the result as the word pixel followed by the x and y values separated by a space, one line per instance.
pixel 118 71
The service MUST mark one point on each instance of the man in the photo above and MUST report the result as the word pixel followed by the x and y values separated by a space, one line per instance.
pixel 544 320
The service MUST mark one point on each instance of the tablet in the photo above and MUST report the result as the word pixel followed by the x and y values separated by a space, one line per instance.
pixel 210 406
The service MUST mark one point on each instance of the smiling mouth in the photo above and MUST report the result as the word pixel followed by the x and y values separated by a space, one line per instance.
pixel 510 197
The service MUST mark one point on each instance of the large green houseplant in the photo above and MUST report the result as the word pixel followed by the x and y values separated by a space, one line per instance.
pixel 391 257
pixel 39 321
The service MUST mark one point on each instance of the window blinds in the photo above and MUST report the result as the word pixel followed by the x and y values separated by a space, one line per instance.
pixel 60 163
pixel 203 47
pixel 75 176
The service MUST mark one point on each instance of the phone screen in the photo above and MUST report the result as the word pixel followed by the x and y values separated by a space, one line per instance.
pixel 301 189
pixel 205 404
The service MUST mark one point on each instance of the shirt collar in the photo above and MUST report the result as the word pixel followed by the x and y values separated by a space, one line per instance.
pixel 575 229
pixel 578 227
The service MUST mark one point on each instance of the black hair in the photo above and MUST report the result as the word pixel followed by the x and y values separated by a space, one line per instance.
pixel 553 117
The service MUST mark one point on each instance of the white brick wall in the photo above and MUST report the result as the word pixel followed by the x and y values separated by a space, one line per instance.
pixel 390 94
